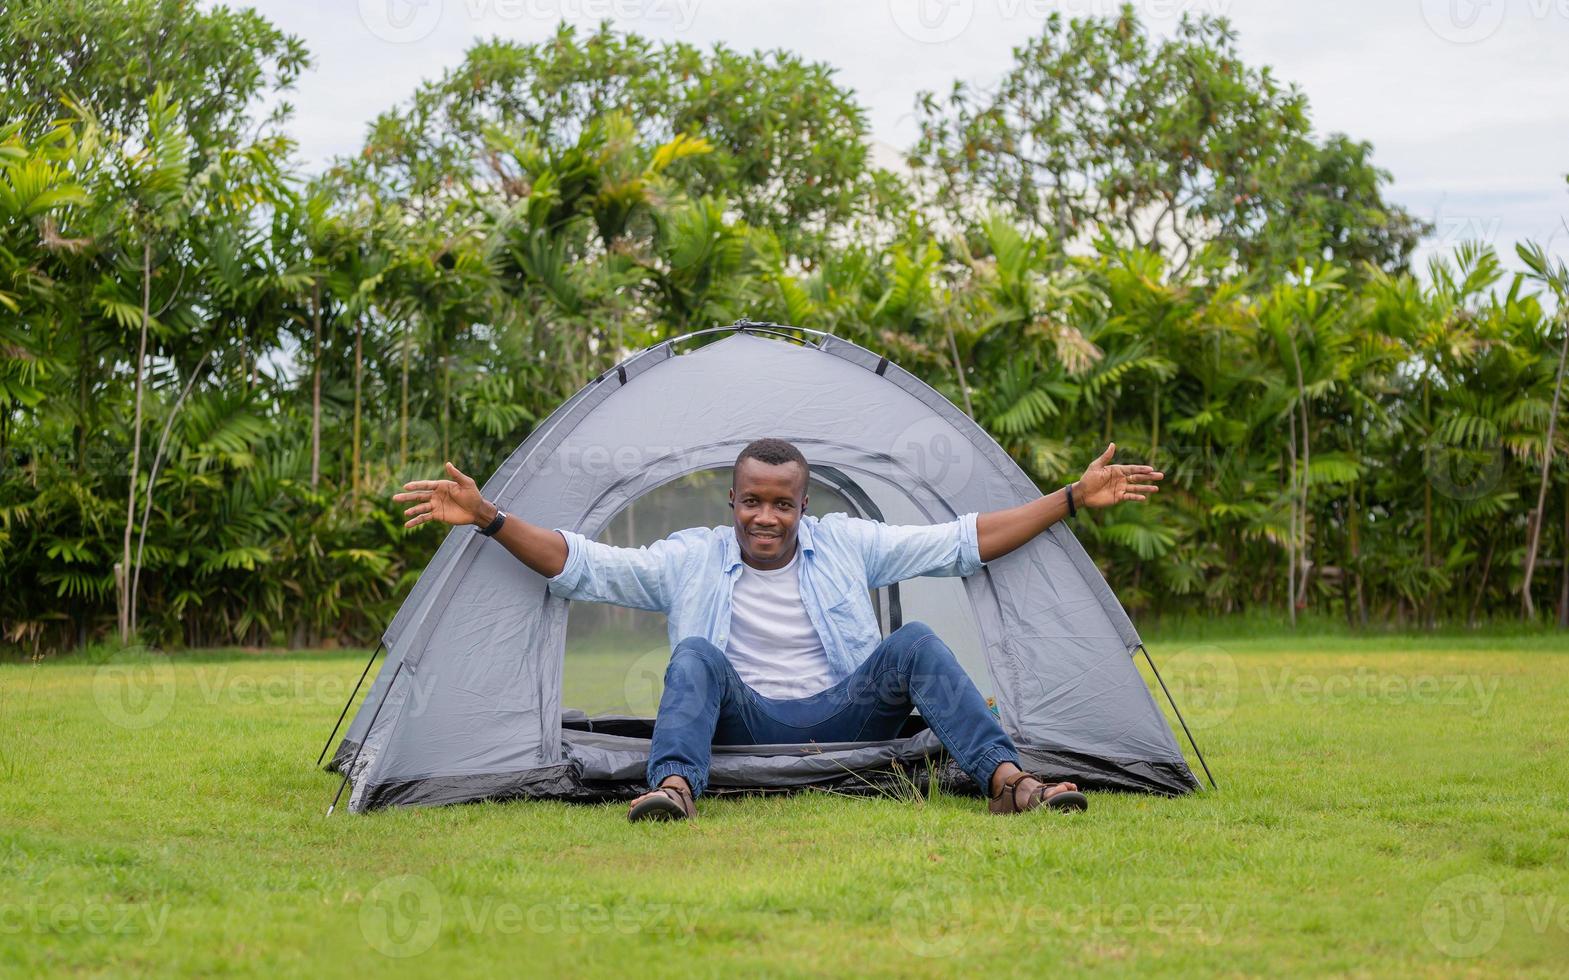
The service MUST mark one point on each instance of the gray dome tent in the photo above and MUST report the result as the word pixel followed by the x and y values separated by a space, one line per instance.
pixel 468 704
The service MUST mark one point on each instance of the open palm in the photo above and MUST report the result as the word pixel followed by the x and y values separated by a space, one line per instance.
pixel 454 501
pixel 1105 483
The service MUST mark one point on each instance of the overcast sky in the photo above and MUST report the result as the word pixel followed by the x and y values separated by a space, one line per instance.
pixel 1466 102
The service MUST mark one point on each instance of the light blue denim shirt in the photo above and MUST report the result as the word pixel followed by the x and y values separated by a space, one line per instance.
pixel 690 575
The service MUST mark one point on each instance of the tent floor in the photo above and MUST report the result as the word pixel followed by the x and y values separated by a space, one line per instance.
pixel 605 758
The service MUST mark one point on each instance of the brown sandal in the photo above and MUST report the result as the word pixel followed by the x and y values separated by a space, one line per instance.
pixel 663 803
pixel 1007 799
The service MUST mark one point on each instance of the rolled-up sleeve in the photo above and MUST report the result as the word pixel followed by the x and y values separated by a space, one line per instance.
pixel 894 552
pixel 636 577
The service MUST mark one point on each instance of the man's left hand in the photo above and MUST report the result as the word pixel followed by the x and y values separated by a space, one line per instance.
pixel 1105 483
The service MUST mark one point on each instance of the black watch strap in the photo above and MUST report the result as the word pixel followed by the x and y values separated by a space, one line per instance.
pixel 1072 510
pixel 489 530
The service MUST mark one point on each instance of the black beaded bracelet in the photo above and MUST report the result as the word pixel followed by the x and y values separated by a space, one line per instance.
pixel 489 530
pixel 1072 510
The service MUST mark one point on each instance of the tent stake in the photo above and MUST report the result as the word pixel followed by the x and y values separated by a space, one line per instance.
pixel 345 712
pixel 1173 702
pixel 368 728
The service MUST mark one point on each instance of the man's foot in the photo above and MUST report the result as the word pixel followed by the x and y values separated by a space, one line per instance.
pixel 1019 791
pixel 671 800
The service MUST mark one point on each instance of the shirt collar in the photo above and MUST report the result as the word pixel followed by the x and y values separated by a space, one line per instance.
pixel 731 551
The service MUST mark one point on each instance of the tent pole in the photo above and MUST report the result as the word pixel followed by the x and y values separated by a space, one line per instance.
pixel 345 712
pixel 368 729
pixel 1173 702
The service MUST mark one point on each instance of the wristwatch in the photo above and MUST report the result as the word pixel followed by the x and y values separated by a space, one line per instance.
pixel 489 530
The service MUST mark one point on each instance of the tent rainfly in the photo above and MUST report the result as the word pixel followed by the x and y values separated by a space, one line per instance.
pixel 468 702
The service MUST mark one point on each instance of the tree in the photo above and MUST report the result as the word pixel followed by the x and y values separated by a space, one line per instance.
pixel 110 56
pixel 1177 147
pixel 788 145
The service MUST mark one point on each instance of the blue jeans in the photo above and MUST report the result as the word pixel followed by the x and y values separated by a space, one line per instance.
pixel 706 703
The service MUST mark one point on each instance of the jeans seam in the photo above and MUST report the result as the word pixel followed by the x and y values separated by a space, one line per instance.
pixel 942 736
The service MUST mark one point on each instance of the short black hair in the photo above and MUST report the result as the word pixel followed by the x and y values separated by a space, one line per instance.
pixel 774 452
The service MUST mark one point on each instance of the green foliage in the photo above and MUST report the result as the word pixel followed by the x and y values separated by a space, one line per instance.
pixel 1177 145
pixel 1338 437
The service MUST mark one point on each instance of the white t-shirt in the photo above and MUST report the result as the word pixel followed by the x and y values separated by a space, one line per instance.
pixel 773 645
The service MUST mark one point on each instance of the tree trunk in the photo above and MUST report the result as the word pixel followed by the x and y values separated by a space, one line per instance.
pixel 446 403
pixel 1563 572
pixel 359 368
pixel 403 408
pixel 122 577
pixel 1481 589
pixel 958 370
pixel 1541 491
pixel 82 404
pixel 152 478
pixel 316 388
pixel 1354 523
pixel 1307 461
pixel 1291 533
pixel 1155 426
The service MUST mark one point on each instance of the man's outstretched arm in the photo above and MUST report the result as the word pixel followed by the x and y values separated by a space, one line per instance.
pixel 1103 484
pixel 458 501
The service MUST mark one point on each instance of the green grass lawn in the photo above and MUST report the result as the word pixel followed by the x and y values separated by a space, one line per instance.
pixel 1386 805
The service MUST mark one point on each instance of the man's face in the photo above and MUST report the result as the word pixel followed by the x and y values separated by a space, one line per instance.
pixel 768 501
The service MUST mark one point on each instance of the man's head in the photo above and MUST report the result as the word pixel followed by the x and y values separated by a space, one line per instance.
pixel 769 496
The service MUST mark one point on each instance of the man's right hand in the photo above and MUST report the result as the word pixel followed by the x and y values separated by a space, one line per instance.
pixel 454 501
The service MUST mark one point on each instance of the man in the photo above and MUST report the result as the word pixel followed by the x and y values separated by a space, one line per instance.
pixel 779 642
